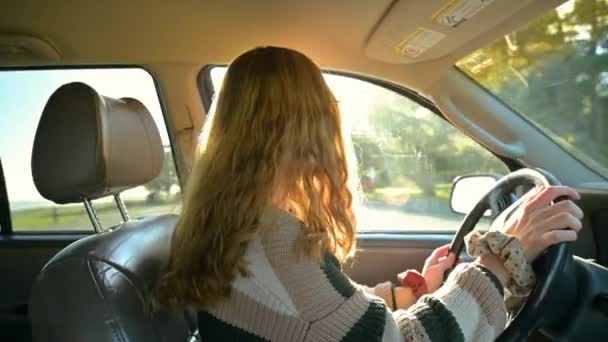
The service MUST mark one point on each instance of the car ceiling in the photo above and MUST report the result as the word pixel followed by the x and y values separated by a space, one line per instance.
pixel 339 34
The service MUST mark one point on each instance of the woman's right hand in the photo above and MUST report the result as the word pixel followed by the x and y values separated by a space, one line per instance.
pixel 538 223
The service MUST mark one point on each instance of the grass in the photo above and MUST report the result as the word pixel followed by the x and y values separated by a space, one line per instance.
pixel 74 218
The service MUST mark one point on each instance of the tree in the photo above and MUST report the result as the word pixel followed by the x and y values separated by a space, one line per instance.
pixel 554 71
pixel 408 143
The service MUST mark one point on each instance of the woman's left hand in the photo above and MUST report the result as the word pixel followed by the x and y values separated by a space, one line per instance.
pixel 436 265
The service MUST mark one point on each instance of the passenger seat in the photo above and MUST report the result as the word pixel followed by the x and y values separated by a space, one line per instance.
pixel 101 288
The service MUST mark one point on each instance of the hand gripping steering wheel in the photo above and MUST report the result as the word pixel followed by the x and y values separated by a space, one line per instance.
pixel 536 312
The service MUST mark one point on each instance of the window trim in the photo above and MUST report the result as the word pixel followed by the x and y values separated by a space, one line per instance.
pixel 169 125
pixel 205 88
pixel 510 163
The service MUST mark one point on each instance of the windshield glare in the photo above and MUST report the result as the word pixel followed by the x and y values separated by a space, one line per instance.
pixel 554 71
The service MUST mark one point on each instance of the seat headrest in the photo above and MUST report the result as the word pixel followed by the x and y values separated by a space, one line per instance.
pixel 91 146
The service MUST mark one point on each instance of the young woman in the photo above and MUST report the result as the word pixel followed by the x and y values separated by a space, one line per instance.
pixel 268 219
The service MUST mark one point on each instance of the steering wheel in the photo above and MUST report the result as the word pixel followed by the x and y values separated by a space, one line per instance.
pixel 540 307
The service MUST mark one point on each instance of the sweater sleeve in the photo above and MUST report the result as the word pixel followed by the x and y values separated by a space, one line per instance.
pixel 468 307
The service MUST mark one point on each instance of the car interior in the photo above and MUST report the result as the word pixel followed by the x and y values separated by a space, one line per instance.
pixel 455 108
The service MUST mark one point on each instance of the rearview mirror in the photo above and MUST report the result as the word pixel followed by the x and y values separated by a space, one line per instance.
pixel 468 190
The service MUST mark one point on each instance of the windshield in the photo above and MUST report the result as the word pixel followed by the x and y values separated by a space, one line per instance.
pixel 554 71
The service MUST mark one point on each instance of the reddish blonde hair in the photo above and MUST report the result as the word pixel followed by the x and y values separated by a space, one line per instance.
pixel 276 129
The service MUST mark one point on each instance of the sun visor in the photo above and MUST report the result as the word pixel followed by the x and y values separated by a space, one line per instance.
pixel 416 31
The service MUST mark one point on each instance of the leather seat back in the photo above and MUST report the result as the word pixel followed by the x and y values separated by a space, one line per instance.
pixel 101 288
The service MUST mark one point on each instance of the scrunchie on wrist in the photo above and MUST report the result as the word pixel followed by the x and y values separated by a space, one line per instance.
pixel 511 251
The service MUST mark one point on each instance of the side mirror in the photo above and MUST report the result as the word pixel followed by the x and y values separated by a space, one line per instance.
pixel 468 190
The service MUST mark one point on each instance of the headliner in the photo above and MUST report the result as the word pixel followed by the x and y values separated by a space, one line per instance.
pixel 156 33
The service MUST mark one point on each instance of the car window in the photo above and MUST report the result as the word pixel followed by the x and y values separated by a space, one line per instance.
pixel 23 95
pixel 407 155
pixel 554 71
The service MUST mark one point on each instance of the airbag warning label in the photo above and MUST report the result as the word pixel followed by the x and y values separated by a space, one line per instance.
pixel 418 42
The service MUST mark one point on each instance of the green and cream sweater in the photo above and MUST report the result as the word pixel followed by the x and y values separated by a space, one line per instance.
pixel 291 298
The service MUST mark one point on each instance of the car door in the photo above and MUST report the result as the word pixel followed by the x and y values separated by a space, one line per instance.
pixel 33 229
pixel 407 157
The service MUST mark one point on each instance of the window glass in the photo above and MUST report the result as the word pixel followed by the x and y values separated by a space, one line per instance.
pixel 23 95
pixel 554 71
pixel 407 156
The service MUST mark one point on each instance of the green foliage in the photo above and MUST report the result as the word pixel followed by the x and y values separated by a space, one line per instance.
pixel 555 71
pixel 408 143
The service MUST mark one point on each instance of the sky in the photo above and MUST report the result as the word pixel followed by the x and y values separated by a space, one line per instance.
pixel 23 95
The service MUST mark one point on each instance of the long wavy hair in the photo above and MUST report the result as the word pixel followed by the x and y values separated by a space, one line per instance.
pixel 275 139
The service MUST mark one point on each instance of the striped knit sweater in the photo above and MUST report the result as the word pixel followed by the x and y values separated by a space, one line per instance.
pixel 292 298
